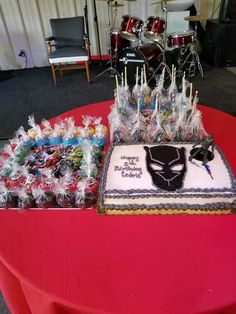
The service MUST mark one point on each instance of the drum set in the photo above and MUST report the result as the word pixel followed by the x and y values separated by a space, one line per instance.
pixel 137 43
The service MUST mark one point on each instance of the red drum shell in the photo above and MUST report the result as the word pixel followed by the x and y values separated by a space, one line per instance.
pixel 118 43
pixel 178 40
pixel 130 27
pixel 154 27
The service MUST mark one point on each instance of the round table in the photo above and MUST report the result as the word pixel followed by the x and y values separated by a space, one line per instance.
pixel 75 261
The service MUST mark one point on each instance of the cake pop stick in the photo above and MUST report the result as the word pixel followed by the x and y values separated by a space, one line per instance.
pixel 191 95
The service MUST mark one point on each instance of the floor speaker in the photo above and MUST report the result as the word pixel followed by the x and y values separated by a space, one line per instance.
pixel 219 44
pixel 227 12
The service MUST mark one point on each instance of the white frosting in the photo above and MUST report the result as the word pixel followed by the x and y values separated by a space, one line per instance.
pixel 196 176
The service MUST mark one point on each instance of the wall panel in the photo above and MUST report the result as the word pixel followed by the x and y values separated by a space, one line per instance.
pixel 25 23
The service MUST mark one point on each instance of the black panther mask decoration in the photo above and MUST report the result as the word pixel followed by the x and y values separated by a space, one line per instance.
pixel 167 166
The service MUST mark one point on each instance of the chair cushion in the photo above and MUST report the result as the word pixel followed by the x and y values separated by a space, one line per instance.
pixel 68 31
pixel 68 54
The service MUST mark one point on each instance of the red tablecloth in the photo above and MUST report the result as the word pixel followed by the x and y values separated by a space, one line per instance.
pixel 75 261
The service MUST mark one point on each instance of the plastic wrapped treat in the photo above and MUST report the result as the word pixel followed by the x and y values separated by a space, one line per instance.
pixel 83 199
pixel 31 181
pixel 25 199
pixel 16 178
pixel 68 181
pixel 81 136
pixel 99 139
pixel 8 161
pixel 55 137
pixel 7 198
pixel 69 139
pixel 40 139
pixel 43 199
pixel 24 138
pixel 61 126
pixel 33 131
pixel 48 181
pixel 46 128
pixel 88 128
pixel 136 88
pixel 195 130
pixel 92 185
pixel 21 151
pixel 64 198
pixel 74 158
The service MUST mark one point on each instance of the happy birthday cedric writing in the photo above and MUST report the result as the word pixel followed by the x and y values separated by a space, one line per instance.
pixel 129 167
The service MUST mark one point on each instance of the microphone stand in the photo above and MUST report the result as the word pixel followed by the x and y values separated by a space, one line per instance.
pixel 97 28
pixel 87 26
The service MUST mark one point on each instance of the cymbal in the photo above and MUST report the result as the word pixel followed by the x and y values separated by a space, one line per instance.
pixel 160 1
pixel 116 5
pixel 195 18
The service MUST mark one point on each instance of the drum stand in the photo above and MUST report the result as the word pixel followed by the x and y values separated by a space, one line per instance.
pixel 163 63
pixel 111 70
pixel 192 59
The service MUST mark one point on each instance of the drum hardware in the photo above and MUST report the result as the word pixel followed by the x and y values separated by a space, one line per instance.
pixel 116 5
pixel 187 55
pixel 163 64
pixel 192 59
pixel 111 69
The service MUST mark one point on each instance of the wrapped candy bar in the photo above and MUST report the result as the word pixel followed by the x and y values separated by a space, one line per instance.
pixel 84 199
pixel 7 198
pixel 25 199
pixel 64 197
pixel 43 199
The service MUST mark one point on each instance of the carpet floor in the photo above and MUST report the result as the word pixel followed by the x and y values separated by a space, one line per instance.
pixel 31 91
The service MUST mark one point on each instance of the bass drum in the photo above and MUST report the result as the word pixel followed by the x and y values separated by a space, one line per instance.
pixel 150 54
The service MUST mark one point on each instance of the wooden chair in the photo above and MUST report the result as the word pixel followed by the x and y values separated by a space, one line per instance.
pixel 68 46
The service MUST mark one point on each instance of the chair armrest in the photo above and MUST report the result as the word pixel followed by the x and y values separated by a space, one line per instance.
pixel 85 36
pixel 48 39
pixel 87 43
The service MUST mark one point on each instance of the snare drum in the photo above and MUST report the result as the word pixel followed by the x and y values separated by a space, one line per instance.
pixel 154 27
pixel 130 27
pixel 179 40
pixel 150 54
pixel 118 43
